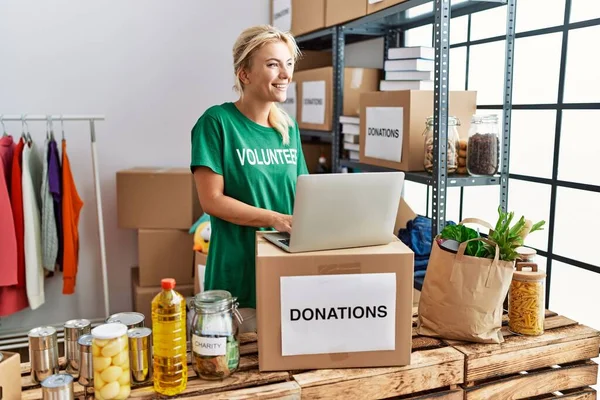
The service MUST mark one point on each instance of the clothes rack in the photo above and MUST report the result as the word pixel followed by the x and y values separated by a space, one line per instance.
pixel 92 119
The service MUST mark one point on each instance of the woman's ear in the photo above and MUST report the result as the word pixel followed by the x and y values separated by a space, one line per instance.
pixel 243 75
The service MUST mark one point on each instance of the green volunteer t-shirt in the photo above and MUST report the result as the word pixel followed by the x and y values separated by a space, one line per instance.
pixel 257 169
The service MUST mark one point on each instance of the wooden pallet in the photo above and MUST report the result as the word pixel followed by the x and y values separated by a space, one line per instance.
pixel 435 372
pixel 530 366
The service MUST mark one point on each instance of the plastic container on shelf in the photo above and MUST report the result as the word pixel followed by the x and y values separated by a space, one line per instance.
pixel 483 147
pixel 110 351
pixel 169 340
pixel 526 300
pixel 214 336
pixel 453 146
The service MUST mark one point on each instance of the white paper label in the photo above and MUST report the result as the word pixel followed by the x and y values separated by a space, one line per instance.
pixel 383 136
pixel 206 346
pixel 289 105
pixel 313 102
pixel 282 14
pixel 324 314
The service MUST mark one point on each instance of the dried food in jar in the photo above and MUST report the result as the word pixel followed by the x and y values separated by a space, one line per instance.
pixel 452 145
pixel 483 154
pixel 526 313
pixel 210 361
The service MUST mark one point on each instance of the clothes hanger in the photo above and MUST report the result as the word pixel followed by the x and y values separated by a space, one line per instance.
pixel 62 126
pixel 4 133
pixel 49 128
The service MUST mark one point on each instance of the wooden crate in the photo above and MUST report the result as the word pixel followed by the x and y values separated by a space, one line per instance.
pixel 246 383
pixel 435 372
pixel 530 366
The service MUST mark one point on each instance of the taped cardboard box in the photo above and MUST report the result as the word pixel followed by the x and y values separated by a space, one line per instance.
pixel 199 270
pixel 298 16
pixel 314 89
pixel 142 296
pixel 334 309
pixel 165 253
pixel 340 11
pixel 157 198
pixel 377 5
pixel 10 376
pixel 392 125
pixel 312 152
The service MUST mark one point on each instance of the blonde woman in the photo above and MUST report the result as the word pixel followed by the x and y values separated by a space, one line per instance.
pixel 246 157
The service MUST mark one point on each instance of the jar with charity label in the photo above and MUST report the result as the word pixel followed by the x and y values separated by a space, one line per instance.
pixel 526 300
pixel 214 334
pixel 110 350
pixel 453 147
pixel 483 147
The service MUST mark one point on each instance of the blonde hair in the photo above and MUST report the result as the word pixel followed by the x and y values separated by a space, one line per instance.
pixel 249 41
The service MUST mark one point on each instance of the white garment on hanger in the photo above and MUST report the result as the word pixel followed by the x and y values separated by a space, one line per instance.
pixel 31 180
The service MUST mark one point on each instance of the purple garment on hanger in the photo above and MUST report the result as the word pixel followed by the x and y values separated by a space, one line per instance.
pixel 54 174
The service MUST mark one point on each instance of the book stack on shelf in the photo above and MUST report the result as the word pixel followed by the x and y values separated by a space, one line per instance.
pixel 408 68
pixel 351 134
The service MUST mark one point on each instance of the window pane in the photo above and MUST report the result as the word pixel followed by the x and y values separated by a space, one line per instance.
pixel 459 29
pixel 489 23
pixel 579 147
pixel 482 202
pixel 458 68
pixel 532 142
pixel 453 204
pixel 582 10
pixel 577 219
pixel 532 201
pixel 574 293
pixel 419 10
pixel 415 195
pixel 486 72
pixel 537 64
pixel 582 79
pixel 421 36
pixel 529 16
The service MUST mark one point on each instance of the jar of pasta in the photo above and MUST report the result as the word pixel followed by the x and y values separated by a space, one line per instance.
pixel 526 300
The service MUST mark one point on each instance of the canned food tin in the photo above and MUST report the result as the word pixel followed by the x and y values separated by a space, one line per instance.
pixel 43 353
pixel 74 329
pixel 130 319
pixel 86 368
pixel 140 354
pixel 58 387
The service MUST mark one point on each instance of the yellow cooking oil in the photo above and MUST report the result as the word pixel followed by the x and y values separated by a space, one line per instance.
pixel 169 340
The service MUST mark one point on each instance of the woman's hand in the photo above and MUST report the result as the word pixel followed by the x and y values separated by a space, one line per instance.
pixel 282 222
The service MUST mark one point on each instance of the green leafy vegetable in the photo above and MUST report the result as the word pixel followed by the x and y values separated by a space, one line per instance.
pixel 461 234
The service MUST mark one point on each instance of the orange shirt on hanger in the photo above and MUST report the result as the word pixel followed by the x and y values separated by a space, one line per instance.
pixel 71 207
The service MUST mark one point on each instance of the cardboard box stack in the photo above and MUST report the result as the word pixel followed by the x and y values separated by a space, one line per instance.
pixel 351 132
pixel 298 16
pixel 161 204
pixel 408 68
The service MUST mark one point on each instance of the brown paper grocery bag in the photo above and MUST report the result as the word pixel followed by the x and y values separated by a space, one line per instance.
pixel 462 295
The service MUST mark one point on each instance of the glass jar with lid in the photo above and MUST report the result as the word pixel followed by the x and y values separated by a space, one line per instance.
pixel 214 334
pixel 526 300
pixel 483 146
pixel 453 145
pixel 110 361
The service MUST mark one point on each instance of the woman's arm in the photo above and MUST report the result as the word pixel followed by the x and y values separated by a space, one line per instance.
pixel 210 192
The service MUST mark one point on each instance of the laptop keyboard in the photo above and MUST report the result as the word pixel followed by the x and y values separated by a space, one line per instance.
pixel 285 241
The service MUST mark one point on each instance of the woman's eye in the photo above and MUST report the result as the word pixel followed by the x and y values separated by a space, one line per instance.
pixel 272 65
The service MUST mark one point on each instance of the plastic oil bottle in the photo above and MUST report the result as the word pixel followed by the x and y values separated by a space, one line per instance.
pixel 169 340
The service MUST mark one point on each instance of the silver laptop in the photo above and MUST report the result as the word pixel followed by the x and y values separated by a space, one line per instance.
pixel 335 211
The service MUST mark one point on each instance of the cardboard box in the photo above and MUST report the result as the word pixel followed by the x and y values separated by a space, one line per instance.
pixel 315 93
pixel 400 118
pixel 340 11
pixel 142 296
pixel 10 376
pixel 298 16
pixel 371 8
pixel 165 253
pixel 308 286
pixel 312 152
pixel 311 59
pixel 157 198
pixel 199 269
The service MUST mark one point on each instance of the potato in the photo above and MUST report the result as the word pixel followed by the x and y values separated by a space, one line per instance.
pixel 111 374
pixel 124 392
pixel 100 342
pixel 98 396
pixel 121 359
pixel 101 363
pixel 98 382
pixel 96 351
pixel 110 391
pixel 125 378
pixel 112 348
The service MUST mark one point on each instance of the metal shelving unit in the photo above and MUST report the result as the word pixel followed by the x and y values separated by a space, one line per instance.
pixel 390 23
